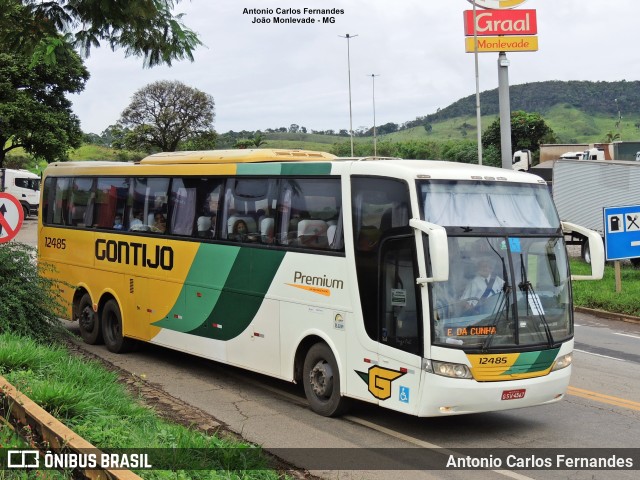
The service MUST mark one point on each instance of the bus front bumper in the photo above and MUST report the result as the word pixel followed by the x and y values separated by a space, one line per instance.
pixel 451 396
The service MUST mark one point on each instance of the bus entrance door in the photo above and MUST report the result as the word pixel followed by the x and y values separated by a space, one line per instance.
pixel 401 333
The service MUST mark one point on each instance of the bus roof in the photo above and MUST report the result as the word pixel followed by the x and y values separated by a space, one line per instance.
pixel 223 163
pixel 236 156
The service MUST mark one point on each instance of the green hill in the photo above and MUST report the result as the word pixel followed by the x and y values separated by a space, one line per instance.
pixel 577 111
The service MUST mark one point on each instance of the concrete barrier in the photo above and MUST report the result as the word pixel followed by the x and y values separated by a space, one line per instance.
pixel 45 430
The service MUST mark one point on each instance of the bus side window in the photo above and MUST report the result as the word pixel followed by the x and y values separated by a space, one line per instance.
pixel 248 201
pixel 111 202
pixel 149 198
pixel 311 212
pixel 60 209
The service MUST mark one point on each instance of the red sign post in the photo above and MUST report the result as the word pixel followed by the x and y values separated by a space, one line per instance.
pixel 11 217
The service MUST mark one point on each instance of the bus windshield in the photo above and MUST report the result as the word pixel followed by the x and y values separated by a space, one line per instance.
pixel 491 205
pixel 508 280
pixel 503 291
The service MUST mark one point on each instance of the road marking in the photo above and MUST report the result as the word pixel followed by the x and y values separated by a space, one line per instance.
pixel 602 398
pixel 423 444
pixel 628 335
pixel 599 355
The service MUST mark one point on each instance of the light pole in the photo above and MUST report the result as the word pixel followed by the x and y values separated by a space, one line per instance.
pixel 475 57
pixel 373 82
pixel 349 37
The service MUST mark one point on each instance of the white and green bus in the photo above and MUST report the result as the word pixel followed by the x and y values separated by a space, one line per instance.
pixel 359 278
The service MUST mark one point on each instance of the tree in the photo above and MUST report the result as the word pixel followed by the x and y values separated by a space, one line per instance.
pixel 244 143
pixel 164 113
pixel 143 28
pixel 528 131
pixel 611 137
pixel 259 140
pixel 34 113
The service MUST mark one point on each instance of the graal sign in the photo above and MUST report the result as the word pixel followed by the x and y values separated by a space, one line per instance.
pixel 501 22
pixel 497 4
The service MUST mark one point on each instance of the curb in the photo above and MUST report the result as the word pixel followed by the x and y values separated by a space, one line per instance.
pixel 22 412
pixel 609 315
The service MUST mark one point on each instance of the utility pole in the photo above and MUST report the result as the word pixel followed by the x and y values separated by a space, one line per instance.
pixel 619 122
pixel 505 111
pixel 349 37
pixel 373 81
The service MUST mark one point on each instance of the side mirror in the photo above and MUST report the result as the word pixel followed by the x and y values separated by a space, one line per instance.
pixel 596 249
pixel 438 250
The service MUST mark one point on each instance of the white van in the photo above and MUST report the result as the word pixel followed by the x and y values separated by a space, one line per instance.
pixel 23 185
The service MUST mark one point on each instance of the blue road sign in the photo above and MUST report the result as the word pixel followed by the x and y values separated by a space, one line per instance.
pixel 622 232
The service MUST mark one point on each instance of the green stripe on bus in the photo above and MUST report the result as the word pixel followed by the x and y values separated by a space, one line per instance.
pixel 284 168
pixel 306 168
pixel 208 274
pixel 240 286
pixel 243 293
pixel 533 362
pixel 258 169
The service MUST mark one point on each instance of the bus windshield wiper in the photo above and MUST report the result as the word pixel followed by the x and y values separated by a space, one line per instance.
pixel 526 287
pixel 503 305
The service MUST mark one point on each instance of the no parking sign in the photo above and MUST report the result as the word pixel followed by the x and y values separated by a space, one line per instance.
pixel 11 217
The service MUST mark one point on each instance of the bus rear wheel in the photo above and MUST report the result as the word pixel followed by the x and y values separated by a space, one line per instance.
pixel 111 321
pixel 321 380
pixel 89 322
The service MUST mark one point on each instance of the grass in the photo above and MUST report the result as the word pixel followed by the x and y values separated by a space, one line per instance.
pixel 90 400
pixel 602 295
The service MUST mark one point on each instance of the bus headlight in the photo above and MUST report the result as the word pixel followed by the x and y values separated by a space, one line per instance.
pixel 445 369
pixel 562 362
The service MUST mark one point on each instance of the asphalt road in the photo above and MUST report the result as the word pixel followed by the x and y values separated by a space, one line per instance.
pixel 601 410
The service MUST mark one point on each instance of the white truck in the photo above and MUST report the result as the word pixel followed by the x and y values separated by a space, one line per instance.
pixel 573 155
pixel 23 185
pixel 582 188
pixel 595 154
pixel 522 160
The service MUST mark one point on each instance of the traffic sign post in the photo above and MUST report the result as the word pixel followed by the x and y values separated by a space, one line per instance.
pixel 621 236
pixel 11 217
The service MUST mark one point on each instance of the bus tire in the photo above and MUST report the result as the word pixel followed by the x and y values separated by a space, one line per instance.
pixel 321 380
pixel 112 329
pixel 635 262
pixel 89 321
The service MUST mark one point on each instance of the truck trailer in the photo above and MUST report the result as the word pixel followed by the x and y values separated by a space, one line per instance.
pixel 583 188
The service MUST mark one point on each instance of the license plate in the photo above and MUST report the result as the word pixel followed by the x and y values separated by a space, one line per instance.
pixel 513 394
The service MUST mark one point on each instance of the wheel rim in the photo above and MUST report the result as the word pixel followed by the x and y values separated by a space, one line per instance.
pixel 88 319
pixel 321 379
pixel 113 327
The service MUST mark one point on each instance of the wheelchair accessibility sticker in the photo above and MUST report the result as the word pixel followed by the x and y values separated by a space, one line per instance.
pixel 404 394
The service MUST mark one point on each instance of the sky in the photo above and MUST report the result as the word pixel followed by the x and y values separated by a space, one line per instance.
pixel 271 75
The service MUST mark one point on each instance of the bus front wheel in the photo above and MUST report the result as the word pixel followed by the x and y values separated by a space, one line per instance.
pixel 89 321
pixel 114 340
pixel 321 380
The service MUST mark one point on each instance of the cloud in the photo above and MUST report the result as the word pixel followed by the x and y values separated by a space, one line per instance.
pixel 271 75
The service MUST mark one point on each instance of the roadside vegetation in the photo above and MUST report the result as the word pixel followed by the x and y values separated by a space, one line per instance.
pixel 602 294
pixel 90 400
pixel 83 394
